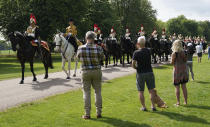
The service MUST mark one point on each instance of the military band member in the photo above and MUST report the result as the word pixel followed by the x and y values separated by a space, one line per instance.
pixel 141 31
pixel 32 32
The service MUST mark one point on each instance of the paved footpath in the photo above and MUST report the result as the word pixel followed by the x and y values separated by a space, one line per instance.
pixel 13 94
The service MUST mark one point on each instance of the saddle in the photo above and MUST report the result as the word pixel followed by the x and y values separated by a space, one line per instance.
pixel 43 44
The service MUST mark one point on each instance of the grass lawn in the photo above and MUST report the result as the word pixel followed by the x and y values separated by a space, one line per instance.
pixel 6 52
pixel 121 107
pixel 10 66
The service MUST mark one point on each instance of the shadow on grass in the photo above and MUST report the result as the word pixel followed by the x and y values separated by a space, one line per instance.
pixel 184 118
pixel 120 123
pixel 203 82
pixel 199 107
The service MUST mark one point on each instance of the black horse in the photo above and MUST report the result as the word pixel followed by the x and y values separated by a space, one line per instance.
pixel 127 48
pixel 155 48
pixel 113 49
pixel 165 49
pixel 26 53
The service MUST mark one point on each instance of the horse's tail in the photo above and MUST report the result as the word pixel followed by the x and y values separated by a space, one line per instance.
pixel 47 58
pixel 50 63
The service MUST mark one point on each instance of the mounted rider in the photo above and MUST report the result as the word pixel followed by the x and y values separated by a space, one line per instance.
pixel 174 37
pixel 113 34
pixel 141 31
pixel 155 35
pixel 127 34
pixel 32 32
pixel 163 37
pixel 71 31
pixel 95 27
pixel 99 36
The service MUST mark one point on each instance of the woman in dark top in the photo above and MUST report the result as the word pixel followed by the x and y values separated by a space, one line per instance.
pixel 180 72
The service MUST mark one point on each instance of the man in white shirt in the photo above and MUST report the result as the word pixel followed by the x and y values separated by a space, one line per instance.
pixel 199 52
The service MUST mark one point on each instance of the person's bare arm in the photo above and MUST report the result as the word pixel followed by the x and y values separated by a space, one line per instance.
pixel 134 62
pixel 173 58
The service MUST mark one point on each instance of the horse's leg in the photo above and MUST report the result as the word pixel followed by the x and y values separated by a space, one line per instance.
pixel 75 69
pixel 69 69
pixel 63 66
pixel 109 59
pixel 23 69
pixel 128 58
pixel 46 70
pixel 114 60
pixel 123 60
pixel 32 70
pixel 106 60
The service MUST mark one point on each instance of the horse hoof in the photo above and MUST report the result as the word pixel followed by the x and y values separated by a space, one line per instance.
pixel 45 77
pixel 74 75
pixel 35 79
pixel 21 82
pixel 68 78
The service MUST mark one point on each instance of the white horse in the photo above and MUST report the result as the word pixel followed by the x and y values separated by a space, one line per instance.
pixel 67 52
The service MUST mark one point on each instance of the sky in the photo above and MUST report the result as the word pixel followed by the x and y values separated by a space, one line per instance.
pixel 192 9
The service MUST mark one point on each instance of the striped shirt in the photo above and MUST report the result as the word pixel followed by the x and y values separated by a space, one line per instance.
pixel 90 56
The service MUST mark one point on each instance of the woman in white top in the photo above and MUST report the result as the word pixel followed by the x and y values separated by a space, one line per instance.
pixel 199 52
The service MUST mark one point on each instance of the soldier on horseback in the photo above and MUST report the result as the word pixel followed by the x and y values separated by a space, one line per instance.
pixel 71 31
pixel 174 37
pixel 155 35
pixel 127 34
pixel 32 32
pixel 99 36
pixel 113 34
pixel 163 37
pixel 141 31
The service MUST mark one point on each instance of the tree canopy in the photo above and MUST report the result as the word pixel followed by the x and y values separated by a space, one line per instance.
pixel 53 14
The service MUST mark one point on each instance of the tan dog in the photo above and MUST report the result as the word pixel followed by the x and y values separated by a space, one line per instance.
pixel 160 103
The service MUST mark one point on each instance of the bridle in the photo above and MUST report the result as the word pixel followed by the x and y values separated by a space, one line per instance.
pixel 60 44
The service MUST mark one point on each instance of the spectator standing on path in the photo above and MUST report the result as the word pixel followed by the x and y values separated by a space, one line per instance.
pixel 180 71
pixel 142 63
pixel 190 52
pixel 90 56
pixel 199 52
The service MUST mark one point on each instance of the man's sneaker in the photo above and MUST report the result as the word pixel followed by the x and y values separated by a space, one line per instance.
pixel 143 109
pixel 154 109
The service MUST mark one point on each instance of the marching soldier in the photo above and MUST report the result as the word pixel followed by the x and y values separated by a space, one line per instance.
pixel 32 32
pixel 141 31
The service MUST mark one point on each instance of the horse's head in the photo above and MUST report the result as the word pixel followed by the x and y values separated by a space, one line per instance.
pixel 15 39
pixel 58 42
